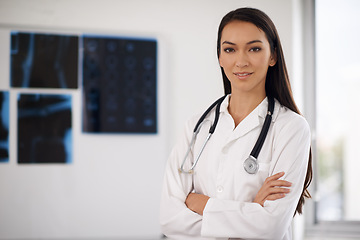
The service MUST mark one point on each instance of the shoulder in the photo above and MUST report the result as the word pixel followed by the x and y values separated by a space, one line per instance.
pixel 193 120
pixel 288 120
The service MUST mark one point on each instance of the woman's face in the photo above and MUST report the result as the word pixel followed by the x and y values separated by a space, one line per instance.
pixel 245 57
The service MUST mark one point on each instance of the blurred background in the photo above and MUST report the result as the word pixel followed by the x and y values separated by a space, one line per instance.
pixel 105 183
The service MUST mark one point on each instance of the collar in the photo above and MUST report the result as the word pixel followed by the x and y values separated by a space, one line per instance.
pixel 261 109
pixel 255 119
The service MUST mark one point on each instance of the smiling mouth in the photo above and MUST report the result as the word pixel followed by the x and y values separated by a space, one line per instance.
pixel 242 74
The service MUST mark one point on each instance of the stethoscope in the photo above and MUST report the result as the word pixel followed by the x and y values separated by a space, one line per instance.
pixel 251 165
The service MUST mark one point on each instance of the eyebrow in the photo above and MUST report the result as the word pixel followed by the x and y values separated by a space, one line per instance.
pixel 251 42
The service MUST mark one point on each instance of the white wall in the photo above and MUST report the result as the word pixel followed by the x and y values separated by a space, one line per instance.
pixel 112 187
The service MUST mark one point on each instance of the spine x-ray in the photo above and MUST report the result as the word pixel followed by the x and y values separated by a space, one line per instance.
pixel 119 85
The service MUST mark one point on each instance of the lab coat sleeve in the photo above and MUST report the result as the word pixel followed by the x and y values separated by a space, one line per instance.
pixel 176 220
pixel 227 218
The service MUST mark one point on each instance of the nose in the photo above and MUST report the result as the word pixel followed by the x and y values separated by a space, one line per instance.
pixel 242 60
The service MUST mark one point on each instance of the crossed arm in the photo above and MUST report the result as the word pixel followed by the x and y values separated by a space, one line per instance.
pixel 272 189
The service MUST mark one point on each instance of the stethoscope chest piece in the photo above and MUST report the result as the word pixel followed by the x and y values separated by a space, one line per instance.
pixel 251 166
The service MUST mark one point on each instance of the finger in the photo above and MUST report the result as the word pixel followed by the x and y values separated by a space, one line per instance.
pixel 279 183
pixel 278 190
pixel 275 176
pixel 273 187
pixel 275 196
pixel 271 191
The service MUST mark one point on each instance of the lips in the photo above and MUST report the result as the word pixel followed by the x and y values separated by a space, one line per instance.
pixel 242 75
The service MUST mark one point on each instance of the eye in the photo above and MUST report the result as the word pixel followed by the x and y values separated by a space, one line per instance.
pixel 255 49
pixel 229 50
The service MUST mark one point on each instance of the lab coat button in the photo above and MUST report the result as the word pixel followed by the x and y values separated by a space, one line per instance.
pixel 220 189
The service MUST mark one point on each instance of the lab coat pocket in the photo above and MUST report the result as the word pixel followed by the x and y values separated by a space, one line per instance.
pixel 250 184
pixel 263 172
pixel 261 175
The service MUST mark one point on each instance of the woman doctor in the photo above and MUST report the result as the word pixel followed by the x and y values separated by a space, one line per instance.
pixel 221 200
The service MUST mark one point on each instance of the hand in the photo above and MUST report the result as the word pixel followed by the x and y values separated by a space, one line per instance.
pixel 272 189
pixel 196 202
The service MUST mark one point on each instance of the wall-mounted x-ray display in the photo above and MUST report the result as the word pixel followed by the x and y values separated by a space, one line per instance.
pixel 119 85
pixel 44 60
pixel 4 126
pixel 44 128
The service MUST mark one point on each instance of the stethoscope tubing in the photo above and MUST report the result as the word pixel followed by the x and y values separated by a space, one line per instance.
pixel 192 142
pixel 260 142
pixel 250 164
pixel 217 103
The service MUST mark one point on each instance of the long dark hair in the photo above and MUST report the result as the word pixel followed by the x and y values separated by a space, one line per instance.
pixel 277 82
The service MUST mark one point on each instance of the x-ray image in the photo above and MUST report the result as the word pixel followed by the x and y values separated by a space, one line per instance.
pixel 4 126
pixel 44 128
pixel 119 85
pixel 44 60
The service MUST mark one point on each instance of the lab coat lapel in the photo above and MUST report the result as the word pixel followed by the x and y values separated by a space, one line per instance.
pixel 249 123
pixel 254 120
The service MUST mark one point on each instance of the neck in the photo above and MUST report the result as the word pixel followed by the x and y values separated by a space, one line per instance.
pixel 241 105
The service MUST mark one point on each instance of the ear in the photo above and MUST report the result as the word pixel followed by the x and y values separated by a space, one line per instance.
pixel 220 62
pixel 273 59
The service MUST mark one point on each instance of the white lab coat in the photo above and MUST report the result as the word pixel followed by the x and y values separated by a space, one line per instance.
pixel 220 175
